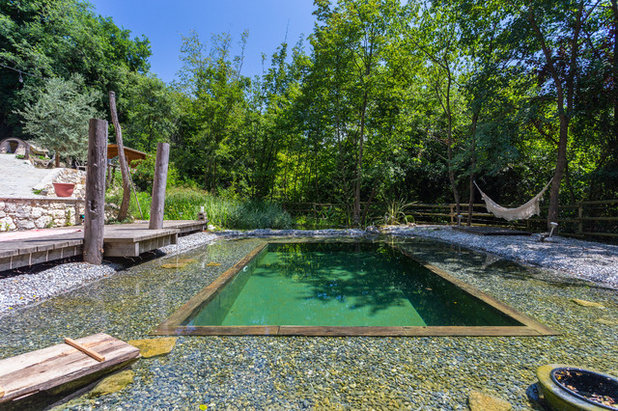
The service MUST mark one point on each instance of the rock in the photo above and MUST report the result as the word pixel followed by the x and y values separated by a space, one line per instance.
pixel 36 212
pixel 606 321
pixel 478 401
pixel 43 221
pixel 112 384
pixel 152 347
pixel 585 303
pixel 25 225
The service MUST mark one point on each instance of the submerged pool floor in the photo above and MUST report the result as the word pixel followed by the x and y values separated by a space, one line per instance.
pixel 268 372
pixel 343 285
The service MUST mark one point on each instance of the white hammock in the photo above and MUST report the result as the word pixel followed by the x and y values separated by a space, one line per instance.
pixel 520 213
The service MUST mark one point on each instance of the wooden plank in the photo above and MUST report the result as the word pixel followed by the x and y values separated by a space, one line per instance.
pixel 84 349
pixel 219 330
pixel 54 366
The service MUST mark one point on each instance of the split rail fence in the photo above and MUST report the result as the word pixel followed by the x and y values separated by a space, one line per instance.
pixel 585 219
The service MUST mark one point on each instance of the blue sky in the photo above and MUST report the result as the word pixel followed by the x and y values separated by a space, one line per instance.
pixel 163 22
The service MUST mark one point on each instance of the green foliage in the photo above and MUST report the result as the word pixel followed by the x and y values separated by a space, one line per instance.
pixel 143 175
pixel 395 213
pixel 390 100
pixel 58 118
pixel 60 38
pixel 185 203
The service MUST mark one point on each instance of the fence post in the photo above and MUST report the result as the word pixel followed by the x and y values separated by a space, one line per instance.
pixel 452 213
pixel 580 215
pixel 95 192
pixel 158 186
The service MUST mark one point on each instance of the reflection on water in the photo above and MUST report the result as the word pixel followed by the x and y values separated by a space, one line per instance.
pixel 343 284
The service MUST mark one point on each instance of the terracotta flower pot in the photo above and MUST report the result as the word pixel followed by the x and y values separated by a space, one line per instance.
pixel 63 189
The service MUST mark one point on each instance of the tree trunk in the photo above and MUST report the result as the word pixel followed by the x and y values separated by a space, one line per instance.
pixel 124 167
pixel 359 164
pixel 472 191
pixel 554 192
pixel 57 159
pixel 614 139
pixel 564 113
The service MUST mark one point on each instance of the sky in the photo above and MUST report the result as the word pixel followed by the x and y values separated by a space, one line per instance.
pixel 164 21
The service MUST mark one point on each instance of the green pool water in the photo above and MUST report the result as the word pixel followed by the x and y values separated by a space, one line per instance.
pixel 342 284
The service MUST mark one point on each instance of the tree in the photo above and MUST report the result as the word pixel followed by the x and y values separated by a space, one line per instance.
pixel 58 118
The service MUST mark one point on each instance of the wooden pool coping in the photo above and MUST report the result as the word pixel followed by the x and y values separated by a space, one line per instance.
pixel 173 325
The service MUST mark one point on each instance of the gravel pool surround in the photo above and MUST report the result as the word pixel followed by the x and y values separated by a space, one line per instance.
pixel 324 372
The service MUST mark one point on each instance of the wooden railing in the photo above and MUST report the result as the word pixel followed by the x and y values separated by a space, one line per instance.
pixel 583 219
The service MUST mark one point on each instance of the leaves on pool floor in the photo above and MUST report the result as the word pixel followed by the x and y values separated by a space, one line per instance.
pixel 181 263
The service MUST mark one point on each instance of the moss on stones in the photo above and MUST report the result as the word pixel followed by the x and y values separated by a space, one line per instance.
pixel 154 346
pixel 478 401
pixel 112 384
pixel 585 303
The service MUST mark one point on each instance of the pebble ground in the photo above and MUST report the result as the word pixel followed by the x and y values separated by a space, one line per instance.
pixel 265 372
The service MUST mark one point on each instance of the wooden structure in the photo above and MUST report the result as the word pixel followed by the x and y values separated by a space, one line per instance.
pixel 77 362
pixel 130 154
pixel 119 240
pixel 158 186
pixel 95 192
pixel 584 219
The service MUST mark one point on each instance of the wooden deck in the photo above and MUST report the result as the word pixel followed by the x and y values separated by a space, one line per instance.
pixel 120 240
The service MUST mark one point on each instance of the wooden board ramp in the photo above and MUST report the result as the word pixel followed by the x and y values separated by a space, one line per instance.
pixel 52 367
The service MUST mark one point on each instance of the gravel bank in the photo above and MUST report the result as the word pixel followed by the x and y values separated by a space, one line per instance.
pixel 31 288
pixel 571 258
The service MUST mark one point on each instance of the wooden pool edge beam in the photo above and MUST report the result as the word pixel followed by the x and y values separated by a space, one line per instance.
pixel 173 324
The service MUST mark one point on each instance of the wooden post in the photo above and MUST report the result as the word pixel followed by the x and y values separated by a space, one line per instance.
pixel 452 213
pixel 158 186
pixel 124 167
pixel 95 192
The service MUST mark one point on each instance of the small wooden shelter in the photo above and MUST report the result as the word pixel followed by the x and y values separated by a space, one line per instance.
pixel 130 154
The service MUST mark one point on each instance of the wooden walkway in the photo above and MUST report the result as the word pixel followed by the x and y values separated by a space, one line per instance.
pixel 120 240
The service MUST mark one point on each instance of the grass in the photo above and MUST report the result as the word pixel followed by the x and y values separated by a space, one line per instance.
pixel 185 203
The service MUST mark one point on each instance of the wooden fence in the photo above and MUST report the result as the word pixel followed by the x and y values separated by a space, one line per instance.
pixel 585 219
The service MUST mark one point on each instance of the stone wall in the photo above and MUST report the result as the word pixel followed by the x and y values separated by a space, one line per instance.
pixel 29 213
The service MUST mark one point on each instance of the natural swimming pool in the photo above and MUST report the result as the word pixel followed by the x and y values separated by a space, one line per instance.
pixel 342 288
pixel 259 371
